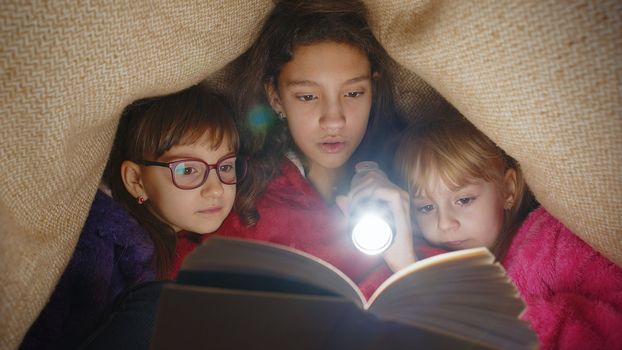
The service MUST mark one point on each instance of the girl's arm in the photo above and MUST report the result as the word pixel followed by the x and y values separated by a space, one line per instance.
pixel 573 294
pixel 375 184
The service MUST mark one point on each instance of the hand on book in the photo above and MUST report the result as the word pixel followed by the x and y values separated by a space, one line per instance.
pixel 375 184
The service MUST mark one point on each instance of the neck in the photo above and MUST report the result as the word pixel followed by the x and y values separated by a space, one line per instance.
pixel 325 181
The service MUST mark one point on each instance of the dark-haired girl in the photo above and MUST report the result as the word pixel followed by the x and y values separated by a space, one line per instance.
pixel 172 173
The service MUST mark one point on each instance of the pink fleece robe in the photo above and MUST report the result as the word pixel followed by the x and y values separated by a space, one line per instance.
pixel 573 294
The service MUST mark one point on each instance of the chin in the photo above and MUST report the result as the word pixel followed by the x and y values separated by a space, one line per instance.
pixel 210 229
pixel 335 164
pixel 203 229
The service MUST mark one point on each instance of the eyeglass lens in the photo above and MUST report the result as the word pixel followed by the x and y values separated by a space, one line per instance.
pixel 191 173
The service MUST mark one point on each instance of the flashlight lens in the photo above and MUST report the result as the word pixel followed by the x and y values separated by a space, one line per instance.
pixel 372 235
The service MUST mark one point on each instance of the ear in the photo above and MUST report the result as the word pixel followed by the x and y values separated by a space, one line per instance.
pixel 132 179
pixel 376 75
pixel 510 187
pixel 273 97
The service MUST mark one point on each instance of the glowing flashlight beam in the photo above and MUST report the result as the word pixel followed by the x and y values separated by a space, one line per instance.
pixel 372 235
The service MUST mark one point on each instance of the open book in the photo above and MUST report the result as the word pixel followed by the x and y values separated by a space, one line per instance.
pixel 234 293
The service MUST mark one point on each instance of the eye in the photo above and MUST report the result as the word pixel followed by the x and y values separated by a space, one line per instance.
pixel 425 209
pixel 355 93
pixel 306 98
pixel 183 169
pixel 465 201
pixel 225 168
pixel 228 165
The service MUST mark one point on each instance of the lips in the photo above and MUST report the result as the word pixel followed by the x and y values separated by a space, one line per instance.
pixel 332 145
pixel 210 211
pixel 455 244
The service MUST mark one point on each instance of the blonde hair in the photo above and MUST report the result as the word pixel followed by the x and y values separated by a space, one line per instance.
pixel 453 150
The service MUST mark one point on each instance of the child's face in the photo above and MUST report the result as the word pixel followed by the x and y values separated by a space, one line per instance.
pixel 470 217
pixel 325 92
pixel 200 210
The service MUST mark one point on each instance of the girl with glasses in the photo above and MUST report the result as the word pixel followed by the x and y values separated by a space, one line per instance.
pixel 174 166
pixel 172 173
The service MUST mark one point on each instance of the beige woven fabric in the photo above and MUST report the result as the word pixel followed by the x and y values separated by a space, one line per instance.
pixel 67 73
pixel 541 79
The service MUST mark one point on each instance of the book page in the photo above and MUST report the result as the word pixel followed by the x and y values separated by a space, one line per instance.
pixel 451 258
pixel 270 265
pixel 464 294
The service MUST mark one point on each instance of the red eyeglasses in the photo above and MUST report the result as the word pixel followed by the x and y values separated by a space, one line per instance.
pixel 188 174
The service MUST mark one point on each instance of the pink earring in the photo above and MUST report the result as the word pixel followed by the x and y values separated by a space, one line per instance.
pixel 141 199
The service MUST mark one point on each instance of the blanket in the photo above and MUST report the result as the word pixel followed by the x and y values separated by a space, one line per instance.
pixel 540 78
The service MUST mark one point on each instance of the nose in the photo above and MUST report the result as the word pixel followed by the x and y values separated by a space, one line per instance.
pixel 212 185
pixel 447 221
pixel 333 117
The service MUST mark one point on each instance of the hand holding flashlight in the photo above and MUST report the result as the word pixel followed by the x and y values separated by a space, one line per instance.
pixel 371 222
pixel 379 214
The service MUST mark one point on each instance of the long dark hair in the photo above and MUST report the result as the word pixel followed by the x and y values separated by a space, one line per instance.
pixel 291 24
pixel 150 127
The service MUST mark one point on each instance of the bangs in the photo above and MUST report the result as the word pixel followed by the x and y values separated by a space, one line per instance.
pixel 213 131
pixel 454 169
pixel 450 153
pixel 185 118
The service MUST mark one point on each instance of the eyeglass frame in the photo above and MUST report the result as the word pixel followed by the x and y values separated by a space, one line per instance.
pixel 170 166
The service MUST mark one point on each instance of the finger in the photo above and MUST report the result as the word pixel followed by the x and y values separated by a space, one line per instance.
pixel 369 183
pixel 394 196
pixel 342 202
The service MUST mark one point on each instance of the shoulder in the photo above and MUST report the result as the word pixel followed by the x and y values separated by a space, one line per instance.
pixel 543 233
pixel 112 240
pixel 546 256
pixel 109 221
pixel 289 188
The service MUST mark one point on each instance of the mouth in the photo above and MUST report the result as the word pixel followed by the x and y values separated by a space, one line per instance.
pixel 332 146
pixel 210 211
pixel 455 244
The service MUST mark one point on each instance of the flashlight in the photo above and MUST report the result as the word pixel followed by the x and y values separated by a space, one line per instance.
pixel 371 221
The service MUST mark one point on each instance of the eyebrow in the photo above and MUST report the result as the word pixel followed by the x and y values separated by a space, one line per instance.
pixel 313 83
pixel 188 157
pixel 185 154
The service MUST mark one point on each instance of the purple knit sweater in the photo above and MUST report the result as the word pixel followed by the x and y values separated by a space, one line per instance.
pixel 113 252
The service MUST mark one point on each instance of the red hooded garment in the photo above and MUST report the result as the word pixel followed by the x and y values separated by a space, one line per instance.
pixel 293 213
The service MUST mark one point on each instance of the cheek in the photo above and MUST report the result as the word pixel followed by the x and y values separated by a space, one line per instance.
pixel 300 125
pixel 297 130
pixel 299 140
pixel 159 193
pixel 426 226
pixel 229 193
pixel 169 209
pixel 493 215
pixel 361 125
pixel 359 114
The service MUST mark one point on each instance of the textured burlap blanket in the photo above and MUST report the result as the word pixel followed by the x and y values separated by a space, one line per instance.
pixel 541 78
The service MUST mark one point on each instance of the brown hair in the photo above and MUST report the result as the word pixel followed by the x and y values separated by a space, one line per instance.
pixel 289 25
pixel 150 127
pixel 453 150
